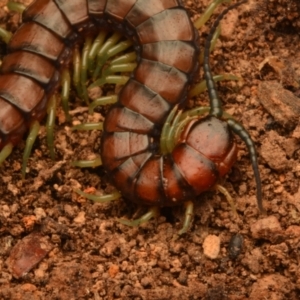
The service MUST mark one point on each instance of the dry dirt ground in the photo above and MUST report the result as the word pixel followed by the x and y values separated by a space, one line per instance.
pixel 76 249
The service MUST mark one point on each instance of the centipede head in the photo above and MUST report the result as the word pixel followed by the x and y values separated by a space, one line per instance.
pixel 209 151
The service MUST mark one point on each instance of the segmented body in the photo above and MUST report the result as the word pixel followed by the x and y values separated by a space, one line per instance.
pixel 166 43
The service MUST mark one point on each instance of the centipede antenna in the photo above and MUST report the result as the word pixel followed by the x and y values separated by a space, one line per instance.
pixel 239 130
pixel 215 102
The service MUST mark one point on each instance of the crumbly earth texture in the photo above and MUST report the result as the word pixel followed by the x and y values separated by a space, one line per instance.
pixel 85 253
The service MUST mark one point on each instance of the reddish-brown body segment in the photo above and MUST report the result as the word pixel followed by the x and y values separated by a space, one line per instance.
pixel 166 44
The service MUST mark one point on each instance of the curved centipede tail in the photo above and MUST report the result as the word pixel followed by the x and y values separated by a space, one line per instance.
pixel 239 130
pixel 215 102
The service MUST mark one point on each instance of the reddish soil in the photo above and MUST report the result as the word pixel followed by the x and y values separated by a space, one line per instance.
pixel 76 249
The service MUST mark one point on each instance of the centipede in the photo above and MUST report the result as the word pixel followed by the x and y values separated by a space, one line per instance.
pixel 156 153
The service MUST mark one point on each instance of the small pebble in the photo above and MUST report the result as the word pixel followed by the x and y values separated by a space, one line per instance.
pixel 211 246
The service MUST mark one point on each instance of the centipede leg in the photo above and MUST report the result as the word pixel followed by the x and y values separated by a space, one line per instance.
pixel 76 71
pixel 98 42
pixel 201 87
pixel 5 152
pixel 65 92
pixel 171 133
pixel 88 126
pixel 114 79
pixel 5 35
pixel 208 12
pixel 166 129
pixel 152 213
pixel 33 133
pixel 188 217
pixel 50 125
pixel 93 163
pixel 115 68
pixel 101 55
pixel 228 197
pixel 84 68
pixel 14 6
pixel 125 58
pixel 102 101
pixel 115 195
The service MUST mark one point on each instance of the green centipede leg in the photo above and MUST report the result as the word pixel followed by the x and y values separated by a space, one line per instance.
pixel 65 92
pixel 228 197
pixel 84 68
pixel 102 101
pixel 51 109
pixel 16 7
pixel 115 195
pixel 5 35
pixel 116 49
pixel 102 53
pixel 201 87
pixel 108 51
pixel 5 152
pixel 114 79
pixel 152 213
pixel 98 42
pixel 194 112
pixel 88 126
pixel 184 119
pixel 33 133
pixel 188 217
pixel 93 163
pixel 208 12
pixel 166 129
pixel 116 68
pixel 76 71
pixel 170 142
pixel 125 58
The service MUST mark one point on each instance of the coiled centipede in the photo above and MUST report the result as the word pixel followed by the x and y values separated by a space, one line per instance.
pixel 145 168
